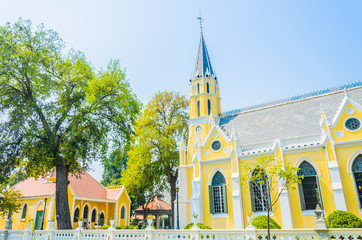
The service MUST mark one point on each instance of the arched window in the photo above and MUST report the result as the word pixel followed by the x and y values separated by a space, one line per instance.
pixel 198 88
pixel 76 215
pixel 198 108
pixel 23 213
pixel 218 194
pixel 122 212
pixel 101 219
pixel 309 190
pixel 207 88
pixel 357 173
pixel 85 212
pixel 259 192
pixel 94 215
pixel 208 107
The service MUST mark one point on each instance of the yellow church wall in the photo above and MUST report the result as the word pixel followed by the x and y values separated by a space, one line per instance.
pixel 124 201
pixel 218 223
pixel 345 156
pixel 348 135
pixel 317 158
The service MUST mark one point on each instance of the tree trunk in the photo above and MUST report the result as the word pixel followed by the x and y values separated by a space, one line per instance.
pixel 172 181
pixel 267 221
pixel 62 203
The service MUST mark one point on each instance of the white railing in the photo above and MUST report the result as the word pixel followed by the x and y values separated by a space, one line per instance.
pixel 157 234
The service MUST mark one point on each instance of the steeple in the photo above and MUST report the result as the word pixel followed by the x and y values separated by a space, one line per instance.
pixel 203 64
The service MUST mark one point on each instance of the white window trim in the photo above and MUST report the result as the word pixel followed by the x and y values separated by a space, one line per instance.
pixel 259 213
pixel 220 215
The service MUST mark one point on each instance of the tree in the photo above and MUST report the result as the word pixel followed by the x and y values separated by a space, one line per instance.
pixel 266 177
pixel 141 177
pixel 114 165
pixel 59 112
pixel 158 132
pixel 8 203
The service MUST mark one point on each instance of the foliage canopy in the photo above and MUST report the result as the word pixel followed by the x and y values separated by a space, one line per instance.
pixel 59 112
pixel 343 219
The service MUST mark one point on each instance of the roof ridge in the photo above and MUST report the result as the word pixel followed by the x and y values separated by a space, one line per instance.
pixel 292 99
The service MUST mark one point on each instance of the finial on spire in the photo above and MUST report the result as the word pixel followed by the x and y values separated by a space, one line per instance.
pixel 200 20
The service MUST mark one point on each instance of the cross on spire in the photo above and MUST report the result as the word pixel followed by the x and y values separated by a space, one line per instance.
pixel 200 20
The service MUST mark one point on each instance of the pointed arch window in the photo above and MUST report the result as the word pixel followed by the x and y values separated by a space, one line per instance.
pixel 122 212
pixel 198 108
pixel 101 219
pixel 208 107
pixel 94 215
pixel 309 189
pixel 23 213
pixel 198 88
pixel 357 173
pixel 76 215
pixel 207 88
pixel 85 212
pixel 218 194
pixel 259 191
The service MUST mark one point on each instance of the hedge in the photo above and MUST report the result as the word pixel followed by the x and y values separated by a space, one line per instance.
pixel 260 222
pixel 343 219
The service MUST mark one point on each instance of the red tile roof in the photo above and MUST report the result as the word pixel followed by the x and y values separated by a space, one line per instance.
pixel 83 186
pixel 157 204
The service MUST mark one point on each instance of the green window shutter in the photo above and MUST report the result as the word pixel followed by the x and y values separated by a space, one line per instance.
pixel 211 200
pixel 225 198
pixel 252 198
pixel 319 193
pixel 301 196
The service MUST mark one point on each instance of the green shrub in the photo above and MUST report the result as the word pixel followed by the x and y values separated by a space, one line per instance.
pixel 127 227
pixel 105 227
pixel 260 222
pixel 343 219
pixel 200 225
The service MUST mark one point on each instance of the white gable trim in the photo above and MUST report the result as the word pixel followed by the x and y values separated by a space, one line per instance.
pixel 217 128
pixel 343 106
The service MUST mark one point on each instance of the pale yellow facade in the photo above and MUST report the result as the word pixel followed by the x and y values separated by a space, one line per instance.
pixel 301 131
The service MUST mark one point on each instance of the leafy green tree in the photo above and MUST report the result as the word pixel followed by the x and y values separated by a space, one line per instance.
pixel 8 203
pixel 114 165
pixel 141 177
pixel 158 132
pixel 343 219
pixel 264 173
pixel 59 112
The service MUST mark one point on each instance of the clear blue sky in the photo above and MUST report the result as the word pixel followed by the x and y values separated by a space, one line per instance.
pixel 260 50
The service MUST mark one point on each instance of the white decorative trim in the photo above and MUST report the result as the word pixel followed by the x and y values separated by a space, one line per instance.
pixel 207 153
pixel 125 213
pixel 82 215
pixel 351 160
pixel 214 172
pixel 95 208
pixel 220 215
pixel 302 159
pixel 215 161
pixel 36 208
pixel 307 212
pixel 220 145
pixel 350 111
pixel 360 124
pixel 226 150
pixel 215 135
pixel 340 134
pixel 348 143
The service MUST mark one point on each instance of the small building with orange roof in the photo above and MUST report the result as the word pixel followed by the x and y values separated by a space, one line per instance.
pixel 88 200
pixel 158 208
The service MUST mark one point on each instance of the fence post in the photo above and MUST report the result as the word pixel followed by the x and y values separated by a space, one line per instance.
pixel 148 233
pixel 78 234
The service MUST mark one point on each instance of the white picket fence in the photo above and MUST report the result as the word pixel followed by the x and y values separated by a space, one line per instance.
pixel 158 234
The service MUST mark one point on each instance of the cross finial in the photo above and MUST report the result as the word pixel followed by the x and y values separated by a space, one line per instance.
pixel 200 20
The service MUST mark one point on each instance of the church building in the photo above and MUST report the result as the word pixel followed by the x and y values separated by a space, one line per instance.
pixel 319 132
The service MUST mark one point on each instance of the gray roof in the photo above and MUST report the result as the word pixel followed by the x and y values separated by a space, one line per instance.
pixel 203 66
pixel 287 120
